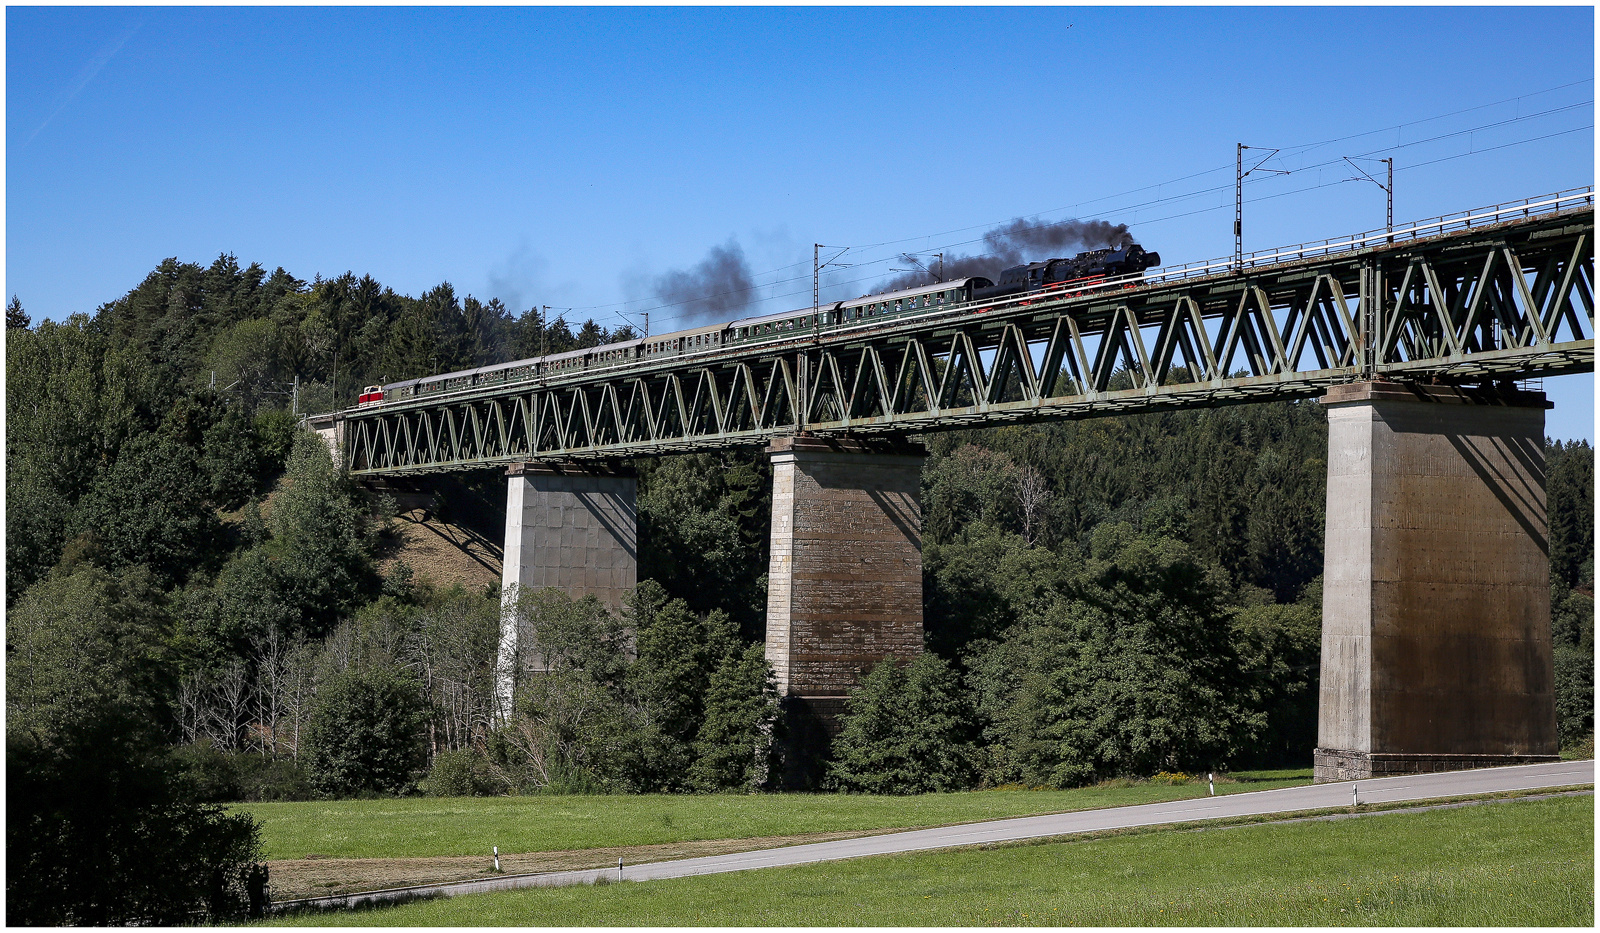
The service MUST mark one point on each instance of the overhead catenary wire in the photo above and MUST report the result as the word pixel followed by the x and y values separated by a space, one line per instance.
pixel 1292 150
pixel 1128 207
pixel 1300 148
pixel 1284 194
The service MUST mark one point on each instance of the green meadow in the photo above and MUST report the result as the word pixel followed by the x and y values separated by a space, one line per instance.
pixel 1522 863
pixel 415 827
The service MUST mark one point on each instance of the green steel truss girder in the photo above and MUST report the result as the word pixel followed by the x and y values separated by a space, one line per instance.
pixel 1511 301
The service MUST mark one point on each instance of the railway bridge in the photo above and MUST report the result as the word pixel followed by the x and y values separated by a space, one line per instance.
pixel 1436 649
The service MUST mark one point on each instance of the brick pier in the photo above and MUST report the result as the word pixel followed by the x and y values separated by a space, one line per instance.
pixel 844 588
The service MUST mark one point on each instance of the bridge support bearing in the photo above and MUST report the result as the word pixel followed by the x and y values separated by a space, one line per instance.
pixel 844 586
pixel 572 528
pixel 1436 651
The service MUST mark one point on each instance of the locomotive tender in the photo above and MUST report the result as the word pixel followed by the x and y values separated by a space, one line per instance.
pixel 1049 275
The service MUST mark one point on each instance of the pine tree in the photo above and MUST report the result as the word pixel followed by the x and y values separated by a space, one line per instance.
pixel 15 316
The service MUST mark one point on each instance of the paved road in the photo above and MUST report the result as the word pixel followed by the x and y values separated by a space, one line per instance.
pixel 1284 800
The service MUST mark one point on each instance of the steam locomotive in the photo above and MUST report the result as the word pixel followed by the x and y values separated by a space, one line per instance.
pixel 1052 275
pixel 1081 269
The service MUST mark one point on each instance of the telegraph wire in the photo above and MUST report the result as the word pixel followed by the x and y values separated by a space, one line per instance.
pixel 1297 149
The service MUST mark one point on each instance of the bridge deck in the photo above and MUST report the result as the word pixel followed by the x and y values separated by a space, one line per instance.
pixel 1502 293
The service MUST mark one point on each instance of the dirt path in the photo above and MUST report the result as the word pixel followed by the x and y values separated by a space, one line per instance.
pixel 316 877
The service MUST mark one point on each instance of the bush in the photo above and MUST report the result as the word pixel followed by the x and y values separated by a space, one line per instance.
pixel 216 776
pixel 265 779
pixel 365 733
pixel 210 772
pixel 462 773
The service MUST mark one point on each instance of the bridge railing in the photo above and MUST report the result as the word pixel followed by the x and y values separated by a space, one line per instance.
pixel 1481 216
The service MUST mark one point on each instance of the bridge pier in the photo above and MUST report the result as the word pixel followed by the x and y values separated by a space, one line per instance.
pixel 1436 650
pixel 571 528
pixel 844 585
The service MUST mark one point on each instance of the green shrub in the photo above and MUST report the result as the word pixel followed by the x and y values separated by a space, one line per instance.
pixel 908 731
pixel 461 773
pixel 265 779
pixel 216 776
pixel 102 831
pixel 365 733
pixel 210 772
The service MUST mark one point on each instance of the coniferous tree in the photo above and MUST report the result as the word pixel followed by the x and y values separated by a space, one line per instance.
pixel 15 317
pixel 1570 498
pixel 318 545
pixel 678 653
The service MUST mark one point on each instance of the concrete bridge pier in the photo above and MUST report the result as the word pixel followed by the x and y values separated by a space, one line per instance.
pixel 574 528
pixel 844 585
pixel 1436 649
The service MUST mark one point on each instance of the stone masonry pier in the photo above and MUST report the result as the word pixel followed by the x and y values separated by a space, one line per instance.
pixel 571 528
pixel 844 588
pixel 1436 649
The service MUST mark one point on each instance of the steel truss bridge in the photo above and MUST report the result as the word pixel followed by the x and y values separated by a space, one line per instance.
pixel 1505 292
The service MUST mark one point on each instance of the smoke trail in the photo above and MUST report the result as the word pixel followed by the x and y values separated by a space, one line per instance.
pixel 1018 241
pixel 718 289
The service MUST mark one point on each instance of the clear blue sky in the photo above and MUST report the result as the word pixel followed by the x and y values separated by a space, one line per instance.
pixel 575 157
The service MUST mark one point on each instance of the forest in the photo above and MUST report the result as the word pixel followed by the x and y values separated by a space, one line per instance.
pixel 195 613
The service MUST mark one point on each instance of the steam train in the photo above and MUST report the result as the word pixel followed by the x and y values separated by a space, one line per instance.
pixel 1082 270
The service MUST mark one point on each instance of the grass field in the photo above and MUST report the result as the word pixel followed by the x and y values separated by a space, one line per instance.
pixel 417 827
pixel 1525 863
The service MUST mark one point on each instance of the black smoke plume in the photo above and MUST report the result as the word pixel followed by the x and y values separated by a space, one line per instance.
pixel 1019 241
pixel 719 288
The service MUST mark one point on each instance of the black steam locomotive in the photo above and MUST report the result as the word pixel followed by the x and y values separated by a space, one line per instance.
pixel 1061 273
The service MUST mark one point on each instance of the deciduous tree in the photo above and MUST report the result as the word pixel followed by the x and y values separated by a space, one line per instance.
pixel 366 732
